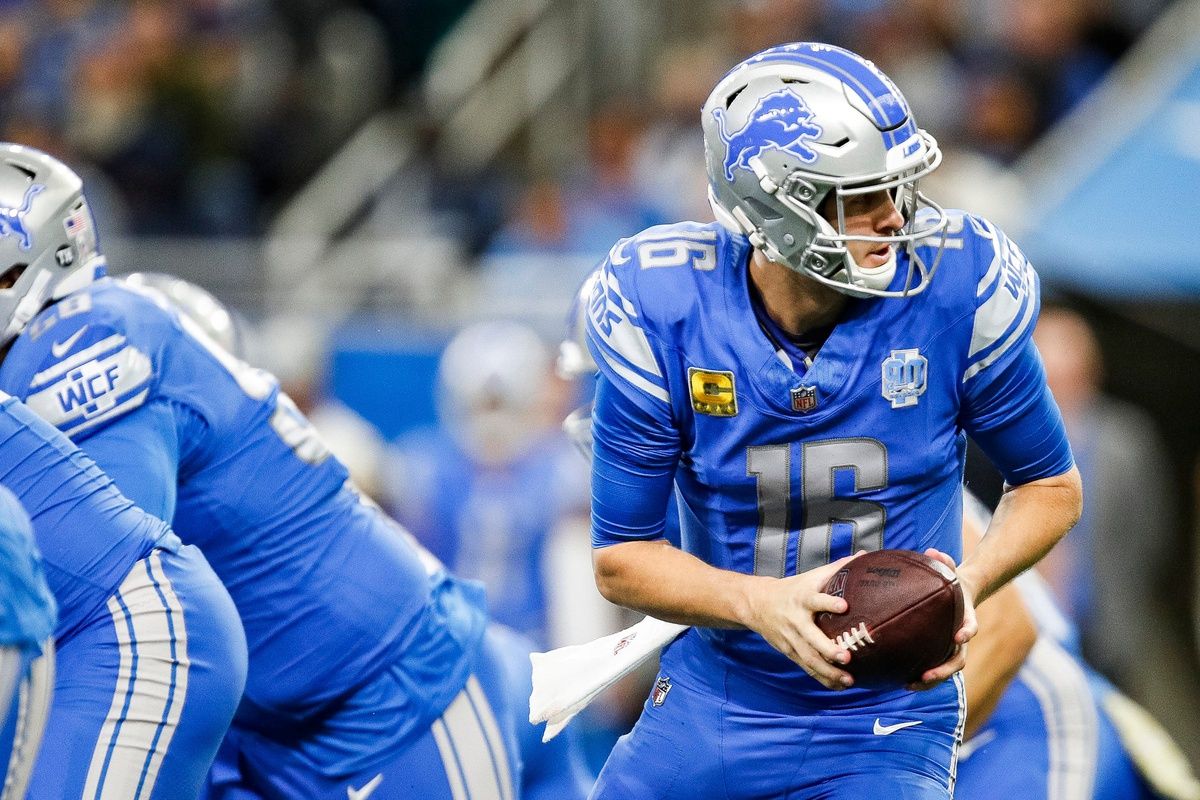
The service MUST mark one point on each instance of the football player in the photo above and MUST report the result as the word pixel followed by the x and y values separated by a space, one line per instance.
pixel 1040 721
pixel 1043 725
pixel 804 373
pixel 489 488
pixel 27 617
pixel 549 770
pixel 367 676
pixel 150 657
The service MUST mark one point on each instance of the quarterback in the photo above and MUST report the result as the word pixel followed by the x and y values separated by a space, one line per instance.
pixel 803 375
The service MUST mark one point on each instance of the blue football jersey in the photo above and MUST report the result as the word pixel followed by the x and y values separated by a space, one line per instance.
pixel 89 534
pixel 27 612
pixel 328 593
pixel 490 523
pixel 782 467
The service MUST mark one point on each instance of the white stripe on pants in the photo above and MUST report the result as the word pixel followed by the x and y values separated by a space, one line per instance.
pixel 472 747
pixel 32 709
pixel 150 689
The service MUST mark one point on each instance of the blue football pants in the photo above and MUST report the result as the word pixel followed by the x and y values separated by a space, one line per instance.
pixel 467 753
pixel 714 734
pixel 145 690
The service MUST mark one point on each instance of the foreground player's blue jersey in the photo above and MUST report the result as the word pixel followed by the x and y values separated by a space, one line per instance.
pixel 780 468
pixel 27 612
pixel 328 593
pixel 86 555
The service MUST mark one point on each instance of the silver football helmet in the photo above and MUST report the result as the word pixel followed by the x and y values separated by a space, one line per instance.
pixel 492 390
pixel 574 358
pixel 48 246
pixel 197 304
pixel 790 125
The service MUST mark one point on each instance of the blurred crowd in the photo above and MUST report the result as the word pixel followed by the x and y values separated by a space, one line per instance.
pixel 986 77
pixel 199 117
pixel 202 117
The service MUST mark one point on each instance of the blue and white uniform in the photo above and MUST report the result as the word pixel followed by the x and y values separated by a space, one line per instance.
pixel 553 770
pixel 492 523
pixel 781 465
pixel 1050 736
pixel 27 617
pixel 150 654
pixel 356 654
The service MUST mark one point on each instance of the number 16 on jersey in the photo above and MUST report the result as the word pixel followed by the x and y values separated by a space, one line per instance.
pixel 865 462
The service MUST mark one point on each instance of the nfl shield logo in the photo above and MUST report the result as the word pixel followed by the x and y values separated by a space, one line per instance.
pixel 625 640
pixel 804 398
pixel 661 687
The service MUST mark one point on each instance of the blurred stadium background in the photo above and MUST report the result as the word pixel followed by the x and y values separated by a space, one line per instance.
pixel 358 180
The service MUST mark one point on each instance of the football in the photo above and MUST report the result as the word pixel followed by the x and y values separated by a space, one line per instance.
pixel 903 611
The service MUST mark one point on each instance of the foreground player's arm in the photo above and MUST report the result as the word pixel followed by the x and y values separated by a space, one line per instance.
pixel 1030 519
pixel 633 470
pixel 140 452
pixel 1006 635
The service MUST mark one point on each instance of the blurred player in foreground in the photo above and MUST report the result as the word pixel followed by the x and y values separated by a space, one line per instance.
pixel 27 617
pixel 150 657
pixel 549 771
pixel 806 382
pixel 367 675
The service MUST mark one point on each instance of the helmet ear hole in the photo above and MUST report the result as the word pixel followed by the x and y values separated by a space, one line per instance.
pixel 762 209
pixel 12 275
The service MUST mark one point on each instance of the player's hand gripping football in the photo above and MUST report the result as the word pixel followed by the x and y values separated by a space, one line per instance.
pixel 966 631
pixel 782 612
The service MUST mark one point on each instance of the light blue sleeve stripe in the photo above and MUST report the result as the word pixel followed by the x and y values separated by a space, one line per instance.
pixel 1016 327
pixel 618 341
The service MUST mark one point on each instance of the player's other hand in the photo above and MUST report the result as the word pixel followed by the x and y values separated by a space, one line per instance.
pixel 782 611
pixel 969 627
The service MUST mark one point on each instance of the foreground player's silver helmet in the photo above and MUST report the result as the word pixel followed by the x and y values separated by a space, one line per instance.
pixel 47 236
pixel 791 125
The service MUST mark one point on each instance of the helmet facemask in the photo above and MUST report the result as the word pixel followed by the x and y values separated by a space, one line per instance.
pixel 784 133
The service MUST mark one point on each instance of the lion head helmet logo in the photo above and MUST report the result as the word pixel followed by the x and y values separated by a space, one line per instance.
pixel 781 121
pixel 12 220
